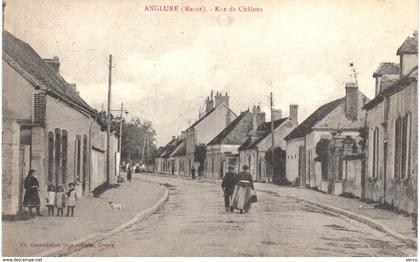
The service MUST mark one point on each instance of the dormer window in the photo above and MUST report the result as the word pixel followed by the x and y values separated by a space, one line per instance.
pixel 385 75
pixel 408 54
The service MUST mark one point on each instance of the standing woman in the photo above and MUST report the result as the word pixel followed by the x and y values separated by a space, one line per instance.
pixel 246 176
pixel 31 198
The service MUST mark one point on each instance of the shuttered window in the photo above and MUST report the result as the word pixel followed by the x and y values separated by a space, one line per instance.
pixel 402 150
pixel 375 152
pixel 397 149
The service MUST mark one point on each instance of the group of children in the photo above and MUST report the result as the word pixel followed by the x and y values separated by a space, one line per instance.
pixel 57 198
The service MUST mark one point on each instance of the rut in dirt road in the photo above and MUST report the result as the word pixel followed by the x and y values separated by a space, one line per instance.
pixel 194 223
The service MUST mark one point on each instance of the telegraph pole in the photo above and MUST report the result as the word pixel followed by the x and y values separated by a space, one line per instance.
pixel 272 136
pixel 147 156
pixel 108 131
pixel 144 146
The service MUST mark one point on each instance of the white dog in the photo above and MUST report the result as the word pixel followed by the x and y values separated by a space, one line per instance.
pixel 115 206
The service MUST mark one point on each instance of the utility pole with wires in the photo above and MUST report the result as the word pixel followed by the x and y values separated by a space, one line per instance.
pixel 147 155
pixel 144 146
pixel 272 138
pixel 108 130
pixel 121 126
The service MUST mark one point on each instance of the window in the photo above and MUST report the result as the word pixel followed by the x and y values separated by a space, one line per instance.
pixel 85 163
pixel 50 158
pixel 402 147
pixel 375 152
pixel 58 177
pixel 77 149
pixel 64 157
pixel 408 164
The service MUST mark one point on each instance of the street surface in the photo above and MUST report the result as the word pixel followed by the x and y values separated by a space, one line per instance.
pixel 194 223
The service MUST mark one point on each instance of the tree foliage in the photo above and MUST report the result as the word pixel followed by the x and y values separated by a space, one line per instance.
pixel 138 135
pixel 279 154
pixel 200 154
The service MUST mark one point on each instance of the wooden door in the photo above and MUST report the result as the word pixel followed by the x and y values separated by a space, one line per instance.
pixel 302 166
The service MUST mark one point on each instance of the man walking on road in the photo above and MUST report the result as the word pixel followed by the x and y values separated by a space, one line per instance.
pixel 228 185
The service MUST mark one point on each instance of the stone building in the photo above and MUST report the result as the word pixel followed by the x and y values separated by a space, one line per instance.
pixel 344 117
pixel 253 151
pixel 217 117
pixel 164 162
pixel 392 129
pixel 338 165
pixel 48 127
pixel 225 145
pixel 178 157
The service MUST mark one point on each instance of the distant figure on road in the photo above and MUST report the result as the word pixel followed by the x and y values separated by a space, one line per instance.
pixel 193 172
pixel 200 171
pixel 31 198
pixel 129 172
pixel 245 175
pixel 228 185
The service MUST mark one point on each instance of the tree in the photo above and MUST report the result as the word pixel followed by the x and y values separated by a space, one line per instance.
pixel 138 135
pixel 200 156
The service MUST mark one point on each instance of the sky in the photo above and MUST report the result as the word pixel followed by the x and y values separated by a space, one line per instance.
pixel 166 63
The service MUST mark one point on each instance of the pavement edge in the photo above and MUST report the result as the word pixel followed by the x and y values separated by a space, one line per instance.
pixel 97 237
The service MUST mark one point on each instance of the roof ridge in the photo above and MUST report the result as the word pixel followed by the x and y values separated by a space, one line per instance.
pixel 222 134
pixel 314 118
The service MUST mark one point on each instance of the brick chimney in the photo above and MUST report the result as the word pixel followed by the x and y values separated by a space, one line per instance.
pixel 277 114
pixel 53 63
pixel 352 101
pixel 293 112
pixel 209 102
pixel 258 118
pixel 183 134
pixel 220 99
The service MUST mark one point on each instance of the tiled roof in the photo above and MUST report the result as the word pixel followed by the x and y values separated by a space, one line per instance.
pixel 387 68
pixel 409 46
pixel 265 130
pixel 27 59
pixel 306 126
pixel 245 145
pixel 182 151
pixel 170 147
pixel 222 135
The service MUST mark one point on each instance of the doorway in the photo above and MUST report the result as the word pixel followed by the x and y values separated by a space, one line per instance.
pixel 385 166
pixel 302 166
